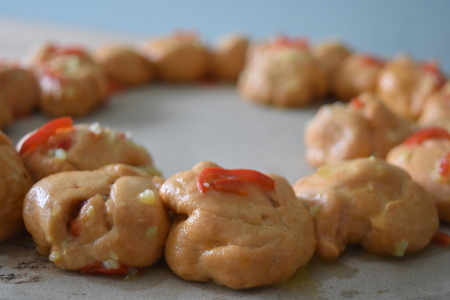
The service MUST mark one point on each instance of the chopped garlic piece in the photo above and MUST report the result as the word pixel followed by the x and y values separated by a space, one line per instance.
pixel 54 256
pixel 111 264
pixel 90 210
pixel 60 154
pixel 72 64
pixel 391 135
pixel 313 210
pixel 68 240
pixel 151 232
pixel 400 248
pixel 147 196
pixel 95 128
pixel 55 210
pixel 114 255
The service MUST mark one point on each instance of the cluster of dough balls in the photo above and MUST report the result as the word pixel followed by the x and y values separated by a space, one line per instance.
pixel 405 100
pixel 283 71
pixel 72 81
pixel 88 195
pixel 93 200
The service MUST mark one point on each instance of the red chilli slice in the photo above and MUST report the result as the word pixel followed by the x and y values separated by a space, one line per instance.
pixel 285 41
pixel 232 181
pixel 444 165
pixel 356 103
pixel 441 238
pixel 70 50
pixel 99 268
pixel 433 68
pixel 42 134
pixel 424 134
pixel 371 60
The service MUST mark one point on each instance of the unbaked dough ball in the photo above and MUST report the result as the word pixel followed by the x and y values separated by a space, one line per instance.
pixel 72 83
pixel 19 91
pixel 436 110
pixel 107 221
pixel 238 228
pixel 228 57
pixel 361 128
pixel 425 155
pixel 79 147
pixel 357 73
pixel 180 57
pixel 124 66
pixel 370 202
pixel 329 55
pixel 404 85
pixel 282 72
pixel 14 184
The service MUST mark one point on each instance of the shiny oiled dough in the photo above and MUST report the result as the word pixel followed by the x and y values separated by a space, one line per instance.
pixel 124 65
pixel 370 202
pixel 117 225
pixel 421 162
pixel 367 127
pixel 89 147
pixel 237 241
pixel 14 184
pixel 436 110
pixel 72 84
pixel 403 85
pixel 177 59
pixel 281 76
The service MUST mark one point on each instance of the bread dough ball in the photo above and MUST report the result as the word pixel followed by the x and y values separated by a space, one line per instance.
pixel 362 128
pixel 14 184
pixel 336 133
pixel 329 55
pixel 404 85
pixel 282 72
pixel 72 83
pixel 370 202
pixel 436 110
pixel 6 114
pixel 357 73
pixel 228 57
pixel 19 92
pixel 180 57
pixel 241 235
pixel 84 147
pixel 124 66
pixel 427 162
pixel 104 221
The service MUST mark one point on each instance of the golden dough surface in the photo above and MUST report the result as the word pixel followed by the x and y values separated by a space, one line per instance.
pixel 15 181
pixel 113 216
pixel 370 202
pixel 238 241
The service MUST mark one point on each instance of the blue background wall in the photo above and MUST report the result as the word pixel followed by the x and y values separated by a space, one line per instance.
pixel 381 27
